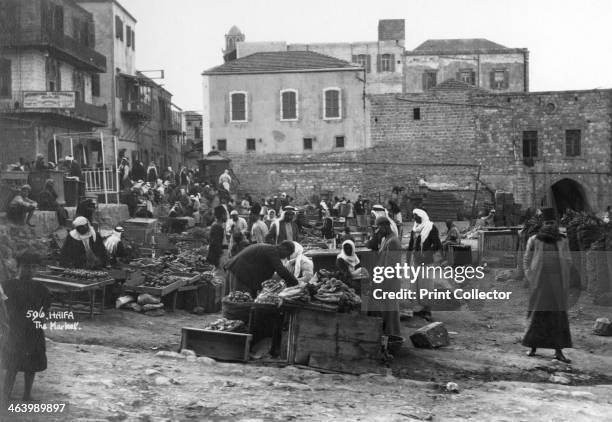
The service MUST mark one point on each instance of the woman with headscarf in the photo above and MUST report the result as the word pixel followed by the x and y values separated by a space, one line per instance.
pixel 47 201
pixel 300 265
pixel 547 269
pixel 152 174
pixel 270 217
pixel 380 211
pixel 83 247
pixel 24 349
pixel 348 263
pixel 424 242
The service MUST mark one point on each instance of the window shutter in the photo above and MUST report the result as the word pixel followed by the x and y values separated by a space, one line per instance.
pixel 249 105
pixel 492 79
pixel 378 62
pixel 92 34
pixel 368 64
pixel 280 108
pixel 5 78
pixel 133 40
pixel 227 115
pixel 474 78
pixel 343 107
pixel 392 62
pixel 424 80
pixel 95 85
pixel 506 79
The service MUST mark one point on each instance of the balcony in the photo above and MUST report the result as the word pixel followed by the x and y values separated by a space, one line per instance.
pixel 173 123
pixel 140 110
pixel 62 46
pixel 58 104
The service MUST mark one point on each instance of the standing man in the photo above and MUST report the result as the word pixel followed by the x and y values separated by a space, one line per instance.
pixel 547 269
pixel 389 249
pixel 284 228
pixel 235 225
pixel 225 180
pixel 360 212
pixel 217 247
pixel 259 230
pixel 75 168
pixel 24 349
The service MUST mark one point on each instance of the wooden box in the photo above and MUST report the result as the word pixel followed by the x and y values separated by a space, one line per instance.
pixel 220 345
pixel 338 336
pixel 160 291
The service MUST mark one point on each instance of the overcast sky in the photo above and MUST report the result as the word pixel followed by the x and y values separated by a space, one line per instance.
pixel 570 41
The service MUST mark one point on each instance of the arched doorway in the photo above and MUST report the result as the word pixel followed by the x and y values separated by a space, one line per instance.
pixel 568 193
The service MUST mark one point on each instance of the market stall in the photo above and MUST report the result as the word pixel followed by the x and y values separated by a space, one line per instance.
pixel 70 285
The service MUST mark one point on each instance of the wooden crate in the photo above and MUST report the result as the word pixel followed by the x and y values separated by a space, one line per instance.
pixel 494 245
pixel 220 345
pixel 159 291
pixel 339 336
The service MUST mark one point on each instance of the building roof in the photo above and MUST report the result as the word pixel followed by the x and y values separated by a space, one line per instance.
pixel 281 62
pixel 459 45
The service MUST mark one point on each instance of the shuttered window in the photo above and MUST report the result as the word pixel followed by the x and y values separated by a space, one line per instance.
pixel 5 78
pixel 467 75
pixel 128 36
pixel 222 144
pixel 430 79
pixel 499 79
pixel 572 142
pixel 133 40
pixel 332 103
pixel 339 141
pixel 95 85
pixel 289 105
pixel 530 145
pixel 363 60
pixel 307 143
pixel 238 106
pixel 250 144
pixel 118 28
pixel 385 63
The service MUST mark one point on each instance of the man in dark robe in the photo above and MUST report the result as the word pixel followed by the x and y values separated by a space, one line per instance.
pixel 47 201
pixel 218 245
pixel 84 247
pixel 23 348
pixel 547 269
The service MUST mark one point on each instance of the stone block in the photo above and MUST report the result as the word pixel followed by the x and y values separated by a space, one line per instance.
pixel 431 336
pixel 602 327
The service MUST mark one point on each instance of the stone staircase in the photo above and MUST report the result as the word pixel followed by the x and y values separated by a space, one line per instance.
pixel 440 206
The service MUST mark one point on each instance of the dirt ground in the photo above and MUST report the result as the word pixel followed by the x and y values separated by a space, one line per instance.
pixel 108 370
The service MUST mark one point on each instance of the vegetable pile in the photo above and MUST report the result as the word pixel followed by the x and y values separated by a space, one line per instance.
pixel 239 297
pixel 88 275
pixel 229 325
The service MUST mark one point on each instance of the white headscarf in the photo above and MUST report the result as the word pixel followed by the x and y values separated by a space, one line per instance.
pixel 113 240
pixel 82 221
pixel 424 228
pixel 295 259
pixel 380 211
pixel 352 260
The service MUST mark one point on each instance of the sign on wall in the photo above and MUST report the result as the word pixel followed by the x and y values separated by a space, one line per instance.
pixel 50 99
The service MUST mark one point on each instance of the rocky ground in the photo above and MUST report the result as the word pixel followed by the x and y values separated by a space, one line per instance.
pixel 109 370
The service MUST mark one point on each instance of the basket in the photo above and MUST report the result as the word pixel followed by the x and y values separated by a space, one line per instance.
pixel 236 310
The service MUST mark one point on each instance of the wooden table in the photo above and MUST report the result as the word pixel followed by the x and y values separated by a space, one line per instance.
pixel 57 283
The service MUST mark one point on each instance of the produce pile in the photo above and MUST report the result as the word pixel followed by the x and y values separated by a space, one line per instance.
pixel 323 288
pixel 269 292
pixel 160 280
pixel 334 291
pixel 84 275
pixel 239 297
pixel 190 259
pixel 229 325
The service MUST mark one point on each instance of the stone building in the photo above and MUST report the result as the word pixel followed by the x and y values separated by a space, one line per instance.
pixel 382 59
pixel 477 62
pixel 547 148
pixel 140 112
pixel 48 68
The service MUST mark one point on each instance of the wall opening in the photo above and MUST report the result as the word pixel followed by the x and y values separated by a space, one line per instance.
pixel 570 194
